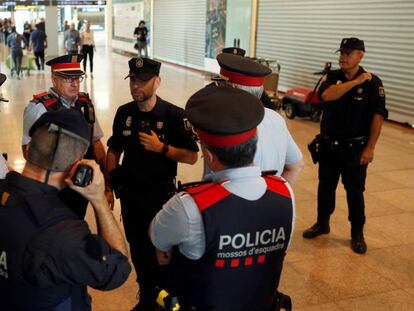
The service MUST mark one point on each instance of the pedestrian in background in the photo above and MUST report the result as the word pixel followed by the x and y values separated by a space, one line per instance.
pixel 88 46
pixel 38 43
pixel 141 33
pixel 14 42
pixel 71 40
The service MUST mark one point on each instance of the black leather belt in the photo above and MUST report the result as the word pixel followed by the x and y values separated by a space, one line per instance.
pixel 350 142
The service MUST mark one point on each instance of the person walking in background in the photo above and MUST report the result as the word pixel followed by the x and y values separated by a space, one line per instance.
pixel 88 46
pixel 14 42
pixel 141 33
pixel 27 30
pixel 38 43
pixel 71 40
pixel 66 26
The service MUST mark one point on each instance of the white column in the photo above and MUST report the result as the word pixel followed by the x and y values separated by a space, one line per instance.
pixel 51 31
pixel 108 23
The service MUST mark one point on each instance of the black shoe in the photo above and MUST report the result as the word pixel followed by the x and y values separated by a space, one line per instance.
pixel 358 244
pixel 315 230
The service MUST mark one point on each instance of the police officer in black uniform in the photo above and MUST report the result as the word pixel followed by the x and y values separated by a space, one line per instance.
pixel 153 137
pixel 225 240
pixel 47 254
pixel 66 77
pixel 353 113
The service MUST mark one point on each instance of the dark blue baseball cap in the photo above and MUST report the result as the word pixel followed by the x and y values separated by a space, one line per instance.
pixel 350 44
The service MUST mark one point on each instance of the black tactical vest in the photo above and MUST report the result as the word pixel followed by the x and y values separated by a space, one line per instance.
pixel 18 226
pixel 246 243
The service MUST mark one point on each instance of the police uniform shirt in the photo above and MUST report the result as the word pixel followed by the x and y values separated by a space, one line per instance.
pixel 350 116
pixel 180 222
pixel 34 110
pixel 275 145
pixel 3 167
pixel 68 253
pixel 166 120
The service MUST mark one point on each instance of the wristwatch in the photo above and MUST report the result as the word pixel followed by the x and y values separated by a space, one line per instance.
pixel 165 149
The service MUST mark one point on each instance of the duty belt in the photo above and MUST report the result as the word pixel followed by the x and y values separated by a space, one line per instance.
pixel 349 142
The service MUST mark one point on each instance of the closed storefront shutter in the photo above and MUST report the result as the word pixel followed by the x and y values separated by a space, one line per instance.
pixel 304 34
pixel 179 31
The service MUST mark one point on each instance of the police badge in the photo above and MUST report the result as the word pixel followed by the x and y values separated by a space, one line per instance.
pixel 160 125
pixel 139 62
pixel 128 121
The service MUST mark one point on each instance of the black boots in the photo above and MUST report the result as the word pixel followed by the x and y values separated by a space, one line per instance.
pixel 358 244
pixel 317 229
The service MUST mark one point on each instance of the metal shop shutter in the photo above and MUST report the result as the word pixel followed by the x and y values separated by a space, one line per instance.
pixel 179 31
pixel 304 34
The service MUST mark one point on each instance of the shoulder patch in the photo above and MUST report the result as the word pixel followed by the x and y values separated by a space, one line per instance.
pixel 381 91
pixel 45 98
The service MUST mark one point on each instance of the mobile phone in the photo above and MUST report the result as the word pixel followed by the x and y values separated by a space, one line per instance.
pixel 82 176
pixel 145 126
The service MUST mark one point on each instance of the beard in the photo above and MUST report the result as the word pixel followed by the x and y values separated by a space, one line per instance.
pixel 141 96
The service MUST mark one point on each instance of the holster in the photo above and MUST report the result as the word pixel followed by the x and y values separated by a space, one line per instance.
pixel 313 147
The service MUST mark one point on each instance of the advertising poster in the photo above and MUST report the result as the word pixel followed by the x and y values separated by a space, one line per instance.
pixel 215 27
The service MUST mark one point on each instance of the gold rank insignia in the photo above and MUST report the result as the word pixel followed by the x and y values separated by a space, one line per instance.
pixel 139 63
pixel 160 125
pixel 235 51
pixel 74 59
pixel 381 91
pixel 360 90
pixel 338 82
pixel 128 121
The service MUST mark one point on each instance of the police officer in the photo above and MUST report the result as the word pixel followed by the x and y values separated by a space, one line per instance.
pixel 353 113
pixel 153 137
pixel 225 240
pixel 47 254
pixel 66 78
pixel 276 149
pixel 3 162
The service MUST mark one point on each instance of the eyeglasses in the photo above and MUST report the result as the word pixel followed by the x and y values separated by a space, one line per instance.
pixel 71 79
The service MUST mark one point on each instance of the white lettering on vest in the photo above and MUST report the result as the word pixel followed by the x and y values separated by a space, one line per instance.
pixel 3 265
pixel 260 238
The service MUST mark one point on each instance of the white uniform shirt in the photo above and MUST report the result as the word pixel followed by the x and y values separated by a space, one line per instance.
pixel 275 145
pixel 3 167
pixel 33 111
pixel 180 222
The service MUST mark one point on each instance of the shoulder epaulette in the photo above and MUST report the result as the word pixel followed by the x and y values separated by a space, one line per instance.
pixel 191 185
pixel 45 98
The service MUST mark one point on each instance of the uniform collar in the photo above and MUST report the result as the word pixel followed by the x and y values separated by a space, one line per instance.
pixel 235 173
pixel 359 72
pixel 64 102
pixel 158 109
pixel 29 185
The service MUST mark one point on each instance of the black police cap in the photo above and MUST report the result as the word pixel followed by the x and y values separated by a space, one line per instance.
pixel 143 68
pixel 67 65
pixel 351 44
pixel 2 78
pixel 234 51
pixel 70 120
pixel 242 70
pixel 224 116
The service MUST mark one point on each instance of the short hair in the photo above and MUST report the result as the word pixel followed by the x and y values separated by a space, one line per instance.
pixel 43 144
pixel 236 156
pixel 141 22
pixel 254 90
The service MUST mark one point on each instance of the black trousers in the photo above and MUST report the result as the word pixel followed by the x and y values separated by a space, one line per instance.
pixel 40 59
pixel 342 161
pixel 87 50
pixel 138 208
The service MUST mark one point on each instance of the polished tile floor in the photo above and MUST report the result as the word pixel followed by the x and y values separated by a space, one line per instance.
pixel 321 274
